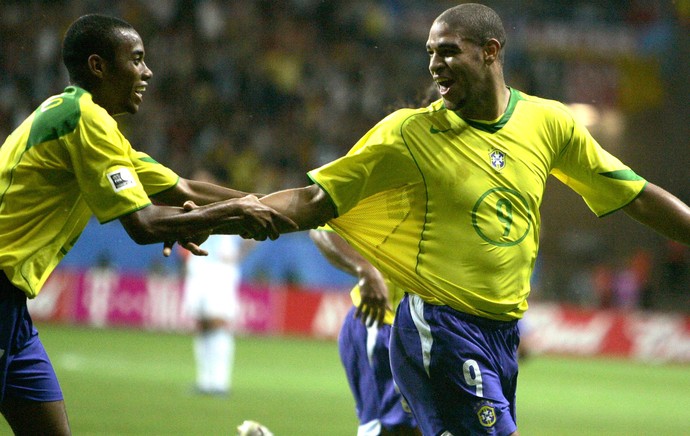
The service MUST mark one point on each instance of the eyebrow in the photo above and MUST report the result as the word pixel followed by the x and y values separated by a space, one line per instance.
pixel 444 45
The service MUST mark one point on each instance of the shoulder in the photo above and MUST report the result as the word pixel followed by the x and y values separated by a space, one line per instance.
pixel 61 110
pixel 404 120
pixel 72 107
pixel 57 116
pixel 548 108
pixel 546 114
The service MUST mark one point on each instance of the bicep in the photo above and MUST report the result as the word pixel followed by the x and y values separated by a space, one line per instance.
pixel 661 211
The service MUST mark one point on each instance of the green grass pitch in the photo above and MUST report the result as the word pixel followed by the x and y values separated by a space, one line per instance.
pixel 128 382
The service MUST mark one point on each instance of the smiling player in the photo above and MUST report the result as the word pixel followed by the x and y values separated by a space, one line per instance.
pixel 444 201
pixel 68 161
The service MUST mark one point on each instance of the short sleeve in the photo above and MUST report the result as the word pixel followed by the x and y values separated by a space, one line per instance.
pixel 603 181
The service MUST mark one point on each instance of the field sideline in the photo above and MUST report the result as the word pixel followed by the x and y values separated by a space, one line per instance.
pixel 128 382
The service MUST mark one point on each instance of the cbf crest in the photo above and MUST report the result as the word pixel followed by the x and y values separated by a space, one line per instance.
pixel 487 416
pixel 497 159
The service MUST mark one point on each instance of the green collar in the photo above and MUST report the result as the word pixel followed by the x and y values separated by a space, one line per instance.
pixel 498 125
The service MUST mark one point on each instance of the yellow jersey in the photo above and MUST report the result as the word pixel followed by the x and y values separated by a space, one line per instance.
pixel 66 161
pixel 448 208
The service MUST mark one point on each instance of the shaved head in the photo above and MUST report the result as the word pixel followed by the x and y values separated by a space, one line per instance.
pixel 476 22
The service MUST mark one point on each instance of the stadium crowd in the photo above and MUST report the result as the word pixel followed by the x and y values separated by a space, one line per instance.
pixel 261 91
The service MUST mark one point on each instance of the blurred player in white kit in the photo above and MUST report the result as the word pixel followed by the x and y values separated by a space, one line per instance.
pixel 211 288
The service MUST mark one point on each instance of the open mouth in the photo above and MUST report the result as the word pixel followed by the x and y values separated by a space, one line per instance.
pixel 139 91
pixel 444 85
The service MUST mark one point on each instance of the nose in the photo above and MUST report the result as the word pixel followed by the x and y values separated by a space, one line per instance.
pixel 435 62
pixel 147 74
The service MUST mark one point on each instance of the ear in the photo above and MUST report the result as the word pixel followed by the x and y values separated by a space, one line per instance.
pixel 492 49
pixel 96 65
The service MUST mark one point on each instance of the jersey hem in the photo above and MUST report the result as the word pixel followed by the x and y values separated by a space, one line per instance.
pixel 626 204
pixel 335 206
pixel 125 214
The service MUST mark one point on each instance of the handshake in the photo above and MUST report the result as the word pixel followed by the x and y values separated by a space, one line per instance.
pixel 245 216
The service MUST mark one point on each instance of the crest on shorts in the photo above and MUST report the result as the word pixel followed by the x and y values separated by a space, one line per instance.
pixel 497 158
pixel 487 416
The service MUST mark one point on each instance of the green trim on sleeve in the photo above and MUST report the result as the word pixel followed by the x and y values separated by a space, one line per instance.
pixel 149 159
pixel 628 175
pixel 166 189
pixel 129 212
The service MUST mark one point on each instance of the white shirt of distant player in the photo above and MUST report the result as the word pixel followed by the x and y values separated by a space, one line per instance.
pixel 212 282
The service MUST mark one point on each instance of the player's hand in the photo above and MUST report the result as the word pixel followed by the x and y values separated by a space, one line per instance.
pixel 167 248
pixel 261 222
pixel 374 293
pixel 193 245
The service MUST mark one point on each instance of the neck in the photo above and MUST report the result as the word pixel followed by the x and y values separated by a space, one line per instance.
pixel 487 105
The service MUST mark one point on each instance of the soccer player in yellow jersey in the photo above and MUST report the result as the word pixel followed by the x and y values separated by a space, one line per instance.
pixel 444 201
pixel 68 161
pixel 363 341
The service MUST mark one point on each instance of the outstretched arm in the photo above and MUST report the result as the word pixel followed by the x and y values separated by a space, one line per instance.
pixel 308 207
pixel 372 285
pixel 199 192
pixel 246 216
pixel 243 214
pixel 663 212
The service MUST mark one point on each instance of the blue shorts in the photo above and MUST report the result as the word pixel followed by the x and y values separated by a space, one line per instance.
pixel 458 372
pixel 25 370
pixel 364 353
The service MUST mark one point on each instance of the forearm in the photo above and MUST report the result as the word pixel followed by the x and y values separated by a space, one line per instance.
pixel 341 255
pixel 308 207
pixel 201 193
pixel 663 212
pixel 373 289
pixel 167 223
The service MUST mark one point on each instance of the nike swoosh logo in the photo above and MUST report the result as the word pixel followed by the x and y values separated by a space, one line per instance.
pixel 434 130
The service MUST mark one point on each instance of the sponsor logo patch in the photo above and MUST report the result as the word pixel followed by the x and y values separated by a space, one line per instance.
pixel 121 179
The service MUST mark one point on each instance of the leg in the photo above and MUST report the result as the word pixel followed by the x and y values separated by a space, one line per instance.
pixel 352 349
pixel 410 370
pixel 221 352
pixel 396 416
pixel 33 417
pixel 30 396
pixel 213 349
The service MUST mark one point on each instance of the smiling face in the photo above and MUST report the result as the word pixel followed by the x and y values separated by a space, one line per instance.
pixel 457 65
pixel 124 78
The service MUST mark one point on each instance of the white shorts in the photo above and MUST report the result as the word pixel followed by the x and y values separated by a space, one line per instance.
pixel 210 300
pixel 211 284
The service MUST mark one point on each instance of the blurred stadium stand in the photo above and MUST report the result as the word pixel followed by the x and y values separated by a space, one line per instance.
pixel 262 91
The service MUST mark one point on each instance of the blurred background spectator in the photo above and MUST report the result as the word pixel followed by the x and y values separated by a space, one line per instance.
pixel 260 91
